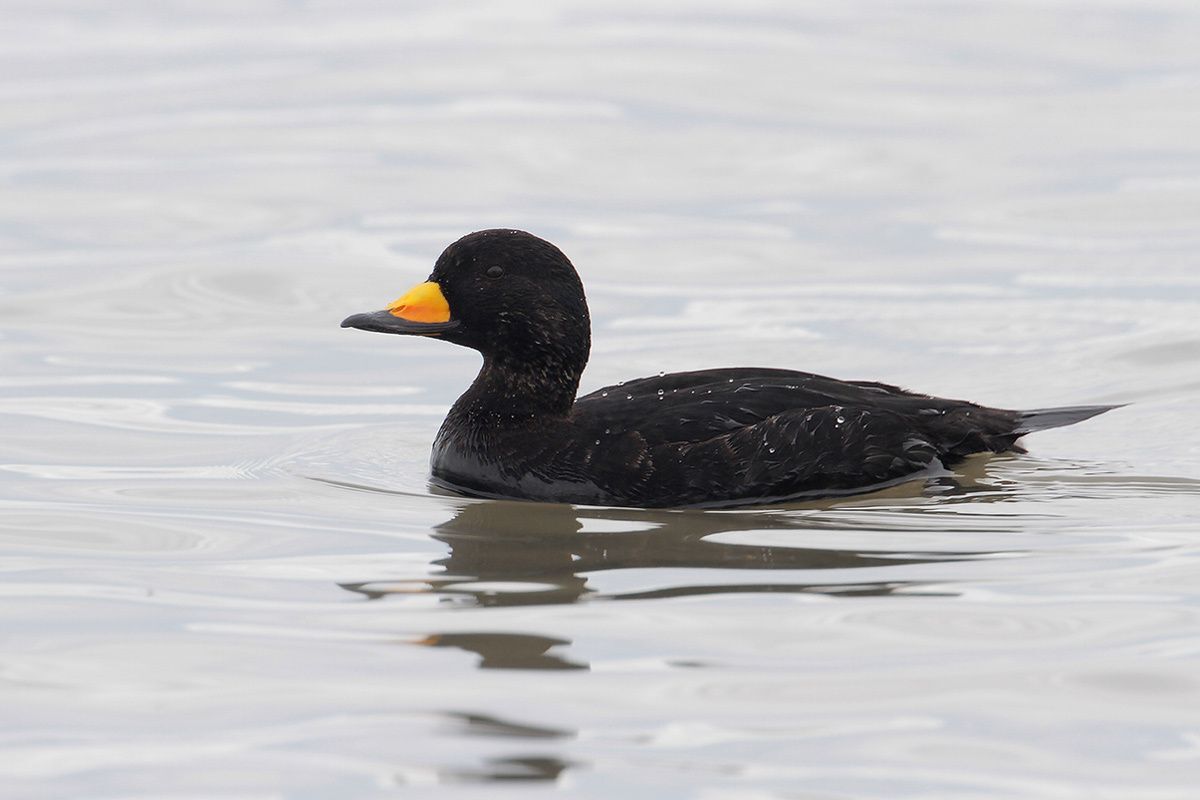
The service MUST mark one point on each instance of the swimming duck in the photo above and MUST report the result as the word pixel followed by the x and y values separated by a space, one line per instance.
pixel 710 438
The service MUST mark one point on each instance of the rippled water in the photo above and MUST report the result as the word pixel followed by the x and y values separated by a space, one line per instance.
pixel 225 574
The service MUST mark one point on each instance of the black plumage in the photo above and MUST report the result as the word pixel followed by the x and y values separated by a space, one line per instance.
pixel 721 437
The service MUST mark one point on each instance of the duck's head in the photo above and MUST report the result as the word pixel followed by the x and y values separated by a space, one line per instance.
pixel 508 294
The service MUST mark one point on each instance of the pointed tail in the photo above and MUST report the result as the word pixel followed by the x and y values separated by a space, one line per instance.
pixel 1040 419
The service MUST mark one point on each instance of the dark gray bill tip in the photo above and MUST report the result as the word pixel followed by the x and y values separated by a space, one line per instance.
pixel 386 322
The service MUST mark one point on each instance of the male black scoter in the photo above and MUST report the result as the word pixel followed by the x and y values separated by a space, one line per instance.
pixel 714 438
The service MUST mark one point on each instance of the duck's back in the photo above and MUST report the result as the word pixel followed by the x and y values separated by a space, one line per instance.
pixel 690 407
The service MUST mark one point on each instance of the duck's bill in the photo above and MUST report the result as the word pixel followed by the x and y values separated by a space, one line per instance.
pixel 387 322
pixel 421 311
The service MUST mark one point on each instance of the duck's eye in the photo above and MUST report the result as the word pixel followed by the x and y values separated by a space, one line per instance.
pixel 495 272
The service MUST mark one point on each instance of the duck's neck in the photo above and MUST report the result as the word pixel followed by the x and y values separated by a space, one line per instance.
pixel 509 390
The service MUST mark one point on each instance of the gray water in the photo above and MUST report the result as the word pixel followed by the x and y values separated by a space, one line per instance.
pixel 225 575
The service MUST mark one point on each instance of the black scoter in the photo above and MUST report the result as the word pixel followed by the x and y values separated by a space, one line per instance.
pixel 717 437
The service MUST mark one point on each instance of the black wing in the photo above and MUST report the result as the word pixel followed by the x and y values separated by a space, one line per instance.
pixel 816 451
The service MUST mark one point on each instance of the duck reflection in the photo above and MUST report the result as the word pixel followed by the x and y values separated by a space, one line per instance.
pixel 521 768
pixel 465 723
pixel 505 553
pixel 506 650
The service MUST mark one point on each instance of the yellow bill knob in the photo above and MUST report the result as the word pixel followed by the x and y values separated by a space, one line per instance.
pixel 422 303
